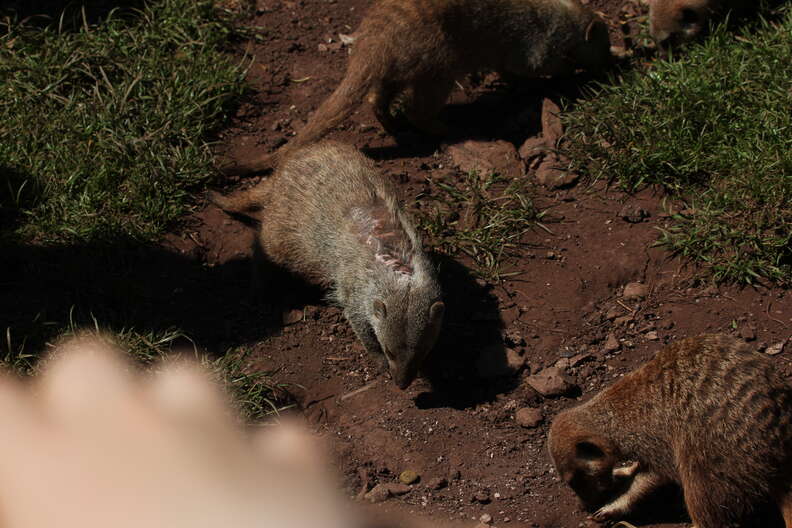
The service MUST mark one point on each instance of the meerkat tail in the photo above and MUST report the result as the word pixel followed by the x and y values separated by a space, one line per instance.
pixel 244 203
pixel 356 84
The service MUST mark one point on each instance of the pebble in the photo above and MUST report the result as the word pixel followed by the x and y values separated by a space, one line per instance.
pixel 482 497
pixel 408 477
pixel 550 382
pixel 486 518
pixel 437 483
pixel 528 417
pixel 776 349
pixel 382 492
pixel 652 336
pixel 635 290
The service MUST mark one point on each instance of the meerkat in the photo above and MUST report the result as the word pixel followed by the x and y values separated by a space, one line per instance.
pixel 330 217
pixel 412 51
pixel 706 413
pixel 676 21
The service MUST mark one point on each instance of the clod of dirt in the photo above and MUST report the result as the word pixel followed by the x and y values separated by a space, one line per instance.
pixel 553 172
pixel 485 157
pixel 552 129
pixel 634 291
pixel 408 477
pixel 528 417
pixel 437 483
pixel 748 333
pixel 551 382
pixel 482 497
pixel 382 492
pixel 292 316
pixel 378 493
pixel 485 518
pixel 633 214
pixel 532 147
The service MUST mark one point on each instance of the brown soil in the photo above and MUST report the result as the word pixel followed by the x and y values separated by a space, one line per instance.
pixel 561 306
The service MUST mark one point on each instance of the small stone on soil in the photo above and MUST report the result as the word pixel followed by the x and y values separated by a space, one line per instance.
pixel 635 290
pixel 292 316
pixel 775 349
pixel 611 344
pixel 528 417
pixel 482 497
pixel 486 518
pixel 408 477
pixel 550 382
pixel 437 483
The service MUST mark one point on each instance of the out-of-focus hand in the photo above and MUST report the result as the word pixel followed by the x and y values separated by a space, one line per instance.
pixel 91 443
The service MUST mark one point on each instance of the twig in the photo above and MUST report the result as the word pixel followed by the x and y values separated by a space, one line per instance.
pixel 767 311
pixel 364 388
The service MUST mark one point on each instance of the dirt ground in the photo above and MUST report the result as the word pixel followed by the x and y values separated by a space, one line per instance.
pixel 564 306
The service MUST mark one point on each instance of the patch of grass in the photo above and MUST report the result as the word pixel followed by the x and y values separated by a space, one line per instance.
pixel 481 216
pixel 714 128
pixel 103 129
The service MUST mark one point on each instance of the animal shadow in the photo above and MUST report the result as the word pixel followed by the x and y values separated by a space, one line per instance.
pixel 468 365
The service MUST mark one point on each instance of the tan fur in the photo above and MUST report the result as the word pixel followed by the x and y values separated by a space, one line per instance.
pixel 413 51
pixel 706 413
pixel 329 216
pixel 675 21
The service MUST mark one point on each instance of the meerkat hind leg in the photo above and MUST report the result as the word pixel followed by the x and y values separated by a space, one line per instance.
pixel 426 98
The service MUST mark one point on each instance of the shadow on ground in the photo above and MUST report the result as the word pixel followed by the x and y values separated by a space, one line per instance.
pixel 44 290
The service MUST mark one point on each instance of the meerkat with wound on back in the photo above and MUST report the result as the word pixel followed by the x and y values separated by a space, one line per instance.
pixel 330 217
pixel 706 413
pixel 413 51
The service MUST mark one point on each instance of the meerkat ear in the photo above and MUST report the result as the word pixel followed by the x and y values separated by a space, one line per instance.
pixel 436 312
pixel 379 309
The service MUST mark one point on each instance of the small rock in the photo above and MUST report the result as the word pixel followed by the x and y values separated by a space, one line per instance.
pixel 486 156
pixel 514 360
pixel 346 39
pixel 623 320
pixel 528 417
pixel 611 344
pixel 395 488
pixel 748 333
pixel 292 316
pixel 633 214
pixel 553 173
pixel 322 48
pixel 775 349
pixel 437 483
pixel 635 290
pixel 533 147
pixel 552 129
pixel 652 336
pixel 485 518
pixel 482 496
pixel 551 381
pixel 551 255
pixel 613 312
pixel 408 477
pixel 378 493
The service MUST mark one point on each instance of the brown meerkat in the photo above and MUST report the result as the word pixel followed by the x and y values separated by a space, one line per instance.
pixel 706 413
pixel 330 217
pixel 412 51
pixel 676 21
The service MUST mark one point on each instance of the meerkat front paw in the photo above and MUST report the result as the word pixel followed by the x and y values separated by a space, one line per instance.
pixel 609 512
